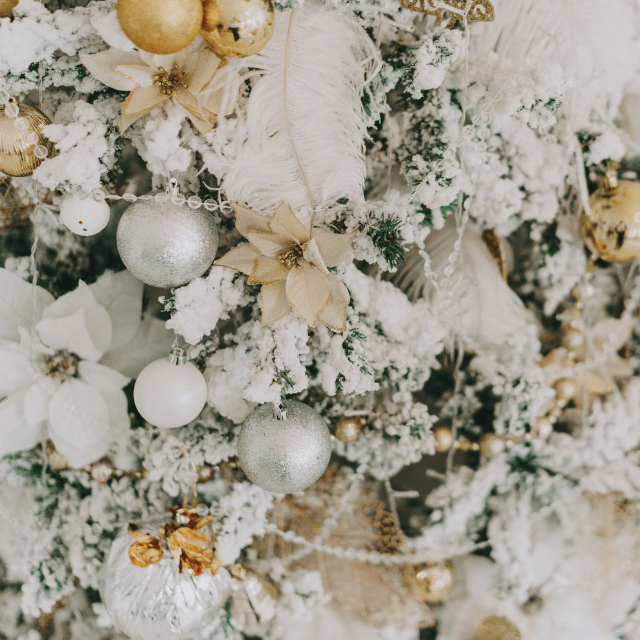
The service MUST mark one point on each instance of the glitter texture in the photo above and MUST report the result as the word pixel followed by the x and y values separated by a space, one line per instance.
pixel 284 456
pixel 165 244
pixel 157 602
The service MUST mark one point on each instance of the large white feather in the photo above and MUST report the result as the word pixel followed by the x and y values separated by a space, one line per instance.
pixel 304 120
pixel 475 302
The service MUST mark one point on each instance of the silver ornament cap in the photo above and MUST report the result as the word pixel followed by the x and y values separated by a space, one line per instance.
pixel 284 454
pixel 165 244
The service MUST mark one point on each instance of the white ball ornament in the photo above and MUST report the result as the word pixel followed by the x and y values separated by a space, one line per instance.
pixel 171 392
pixel 84 217
pixel 286 451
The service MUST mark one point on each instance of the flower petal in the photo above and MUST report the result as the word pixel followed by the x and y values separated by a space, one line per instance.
pixel 274 302
pixel 308 291
pixel 188 104
pixel 16 372
pixel 247 220
pixel 312 254
pixel 121 295
pixel 285 223
pixel 201 66
pixel 16 304
pixel 78 323
pixel 36 403
pixel 102 378
pixel 143 99
pixel 78 416
pixel 334 315
pixel 334 247
pixel 269 244
pixel 103 65
pixel 221 94
pixel 240 258
pixel 16 434
pixel 140 75
pixel 267 270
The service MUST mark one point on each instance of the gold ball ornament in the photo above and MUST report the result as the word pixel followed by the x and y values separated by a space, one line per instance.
pixel 6 8
pixel 491 445
pixel 237 28
pixel 160 27
pixel 430 582
pixel 496 628
pixel 348 429
pixel 612 231
pixel 18 154
pixel 443 436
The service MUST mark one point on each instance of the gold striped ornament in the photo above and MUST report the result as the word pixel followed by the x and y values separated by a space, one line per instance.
pixel 17 147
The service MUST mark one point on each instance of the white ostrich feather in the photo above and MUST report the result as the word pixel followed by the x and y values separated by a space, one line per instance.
pixel 475 302
pixel 304 121
pixel 595 42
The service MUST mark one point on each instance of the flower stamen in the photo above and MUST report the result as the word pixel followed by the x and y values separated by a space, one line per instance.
pixel 62 364
pixel 290 257
pixel 170 82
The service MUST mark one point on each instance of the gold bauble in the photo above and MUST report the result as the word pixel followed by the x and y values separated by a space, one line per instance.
pixel 6 8
pixel 431 581
pixel 612 231
pixel 17 157
pixel 491 445
pixel 443 436
pixel 348 428
pixel 161 27
pixel 496 628
pixel 237 28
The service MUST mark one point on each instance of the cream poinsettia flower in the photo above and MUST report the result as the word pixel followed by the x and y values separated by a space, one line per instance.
pixel 290 260
pixel 195 79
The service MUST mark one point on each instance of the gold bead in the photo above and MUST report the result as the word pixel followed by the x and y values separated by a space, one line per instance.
pixel 430 582
pixel 612 231
pixel 102 471
pixel 161 27
pixel 237 28
pixel 443 436
pixel 17 157
pixel 55 459
pixel 348 428
pixel 464 444
pixel 543 428
pixel 565 388
pixel 475 446
pixel 206 473
pixel 6 8
pixel 572 338
pixel 491 445
pixel 496 628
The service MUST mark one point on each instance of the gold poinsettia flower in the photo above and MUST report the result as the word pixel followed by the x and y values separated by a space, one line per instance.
pixel 195 79
pixel 192 549
pixel 290 260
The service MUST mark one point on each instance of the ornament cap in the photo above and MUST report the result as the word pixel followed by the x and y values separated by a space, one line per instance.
pixel 177 356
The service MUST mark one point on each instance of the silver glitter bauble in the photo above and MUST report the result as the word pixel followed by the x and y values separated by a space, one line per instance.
pixel 157 602
pixel 288 455
pixel 165 244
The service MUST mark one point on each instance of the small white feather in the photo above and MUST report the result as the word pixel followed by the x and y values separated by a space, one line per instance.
pixel 304 121
pixel 475 302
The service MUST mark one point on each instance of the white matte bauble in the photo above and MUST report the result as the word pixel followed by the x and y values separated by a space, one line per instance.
pixel 166 244
pixel 85 217
pixel 157 602
pixel 284 455
pixel 170 395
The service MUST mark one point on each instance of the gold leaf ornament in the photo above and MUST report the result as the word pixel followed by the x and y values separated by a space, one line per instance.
pixel 473 10
pixel 195 79
pixel 193 550
pixel 146 550
pixel 291 260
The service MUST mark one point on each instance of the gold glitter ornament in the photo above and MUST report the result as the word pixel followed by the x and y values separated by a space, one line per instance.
pixel 160 27
pixel 491 445
pixel 6 8
pixel 496 628
pixel 348 428
pixel 612 231
pixel 237 28
pixel 17 146
pixel 430 582
pixel 443 436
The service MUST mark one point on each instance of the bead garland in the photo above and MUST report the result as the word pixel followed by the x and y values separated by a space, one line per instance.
pixel 12 110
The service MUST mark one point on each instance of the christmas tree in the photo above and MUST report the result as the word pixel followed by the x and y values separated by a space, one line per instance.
pixel 319 319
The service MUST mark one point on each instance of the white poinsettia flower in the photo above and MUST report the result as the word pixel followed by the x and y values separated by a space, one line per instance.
pixel 195 79
pixel 65 382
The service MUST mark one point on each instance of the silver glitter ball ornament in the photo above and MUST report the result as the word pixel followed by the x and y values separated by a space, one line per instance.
pixel 165 244
pixel 157 602
pixel 284 455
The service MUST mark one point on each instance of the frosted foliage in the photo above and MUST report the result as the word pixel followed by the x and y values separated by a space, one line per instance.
pixel 463 159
